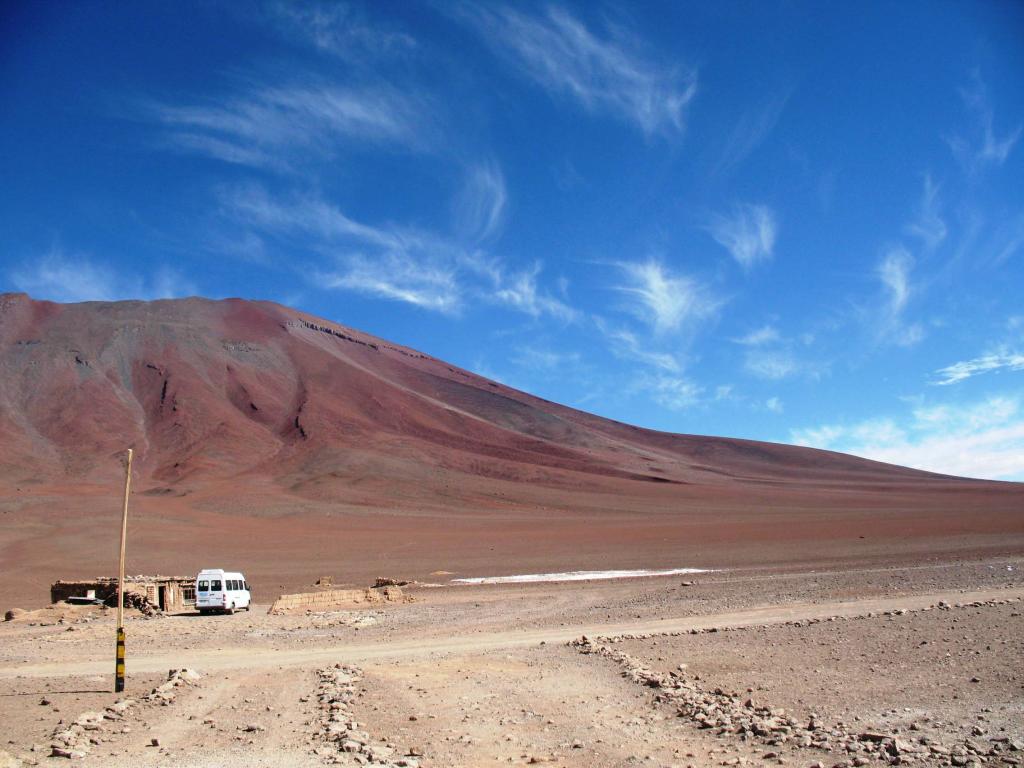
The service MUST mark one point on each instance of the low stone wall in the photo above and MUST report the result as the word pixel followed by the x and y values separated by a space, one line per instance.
pixel 330 598
pixel 62 590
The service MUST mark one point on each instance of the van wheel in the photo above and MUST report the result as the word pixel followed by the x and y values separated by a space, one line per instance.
pixel 229 611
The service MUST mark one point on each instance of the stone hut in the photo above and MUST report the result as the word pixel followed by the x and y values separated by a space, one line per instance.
pixel 164 593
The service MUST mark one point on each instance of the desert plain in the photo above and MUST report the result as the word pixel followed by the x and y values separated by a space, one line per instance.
pixel 915 664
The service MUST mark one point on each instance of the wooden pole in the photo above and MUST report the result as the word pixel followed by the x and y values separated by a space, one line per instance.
pixel 119 665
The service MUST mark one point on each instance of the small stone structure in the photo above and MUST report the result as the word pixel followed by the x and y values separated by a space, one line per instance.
pixel 164 593
pixel 330 598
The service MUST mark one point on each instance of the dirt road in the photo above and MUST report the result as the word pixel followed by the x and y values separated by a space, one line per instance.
pixel 461 643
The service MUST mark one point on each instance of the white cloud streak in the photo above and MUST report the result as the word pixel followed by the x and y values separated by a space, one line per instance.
pixel 984 148
pixel 397 276
pixel 391 262
pixel 270 126
pixel 667 302
pixel 928 225
pixel 625 345
pixel 673 392
pixel 481 205
pixel 519 290
pixel 894 273
pixel 766 334
pixel 752 129
pixel 772 364
pixel 338 29
pixel 536 358
pixel 748 234
pixel 609 73
pixel 1000 360
pixel 983 439
pixel 769 355
pixel 58 276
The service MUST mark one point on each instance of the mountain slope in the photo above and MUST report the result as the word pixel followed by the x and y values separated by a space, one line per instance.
pixel 293 445
pixel 206 391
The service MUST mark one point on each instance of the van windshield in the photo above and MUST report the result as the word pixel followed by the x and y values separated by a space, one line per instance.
pixel 215 586
pixel 204 586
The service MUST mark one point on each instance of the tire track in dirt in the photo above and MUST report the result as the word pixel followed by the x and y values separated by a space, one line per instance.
pixel 242 719
pixel 209 661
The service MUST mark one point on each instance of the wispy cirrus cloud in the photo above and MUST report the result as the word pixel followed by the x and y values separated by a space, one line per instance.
pixel 387 262
pixel 338 29
pixel 1002 359
pixel 610 71
pixel 893 272
pixel 766 334
pixel 983 147
pixel 983 438
pixel 390 261
pixel 227 150
pixel 928 224
pixel 771 356
pixel 542 358
pixel 64 277
pixel 519 290
pixel 626 345
pixel 676 393
pixel 423 282
pixel 667 301
pixel 481 205
pixel 772 364
pixel 748 233
pixel 1009 239
pixel 273 126
pixel 751 129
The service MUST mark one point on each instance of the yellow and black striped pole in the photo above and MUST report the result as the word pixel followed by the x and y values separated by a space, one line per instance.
pixel 119 668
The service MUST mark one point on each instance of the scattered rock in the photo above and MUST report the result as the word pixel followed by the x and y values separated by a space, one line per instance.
pixel 727 713
pixel 337 690
pixel 77 740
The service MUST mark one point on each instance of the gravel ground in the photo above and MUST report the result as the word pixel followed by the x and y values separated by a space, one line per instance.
pixel 948 675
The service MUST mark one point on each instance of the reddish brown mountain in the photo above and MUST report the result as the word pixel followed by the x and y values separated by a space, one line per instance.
pixel 321 446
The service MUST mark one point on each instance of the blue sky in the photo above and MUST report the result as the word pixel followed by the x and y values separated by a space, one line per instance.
pixel 798 222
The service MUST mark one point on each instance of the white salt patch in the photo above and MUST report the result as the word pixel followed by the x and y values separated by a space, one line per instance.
pixel 577 576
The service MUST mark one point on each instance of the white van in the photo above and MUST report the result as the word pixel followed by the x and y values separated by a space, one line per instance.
pixel 220 590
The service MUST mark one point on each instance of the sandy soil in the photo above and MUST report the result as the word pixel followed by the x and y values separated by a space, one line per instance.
pixel 484 675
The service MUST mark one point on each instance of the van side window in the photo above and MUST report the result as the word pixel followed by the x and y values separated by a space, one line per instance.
pixel 247 587
pixel 204 586
pixel 215 585
pixel 234 584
